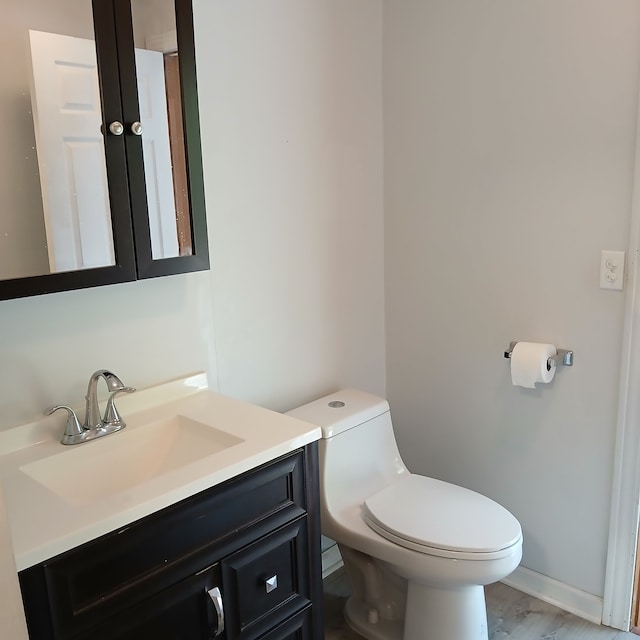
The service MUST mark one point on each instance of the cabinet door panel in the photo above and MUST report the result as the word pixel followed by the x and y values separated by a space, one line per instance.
pixel 267 580
pixel 298 627
pixel 182 612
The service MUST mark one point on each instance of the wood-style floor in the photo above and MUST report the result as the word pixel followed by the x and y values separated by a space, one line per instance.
pixel 511 615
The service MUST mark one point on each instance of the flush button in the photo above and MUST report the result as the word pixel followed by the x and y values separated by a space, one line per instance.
pixel 336 404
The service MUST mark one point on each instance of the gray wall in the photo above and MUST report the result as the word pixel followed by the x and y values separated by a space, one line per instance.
pixel 509 144
pixel 292 124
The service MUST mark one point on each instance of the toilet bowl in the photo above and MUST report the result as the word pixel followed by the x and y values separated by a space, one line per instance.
pixel 417 551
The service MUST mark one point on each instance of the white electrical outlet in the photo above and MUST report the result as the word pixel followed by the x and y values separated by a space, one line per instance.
pixel 612 270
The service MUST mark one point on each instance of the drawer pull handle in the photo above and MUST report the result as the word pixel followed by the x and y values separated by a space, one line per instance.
pixel 216 598
pixel 271 584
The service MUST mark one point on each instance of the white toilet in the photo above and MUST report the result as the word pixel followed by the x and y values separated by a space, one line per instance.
pixel 417 551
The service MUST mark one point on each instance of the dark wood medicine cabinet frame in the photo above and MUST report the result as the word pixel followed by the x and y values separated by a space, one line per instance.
pixel 113 25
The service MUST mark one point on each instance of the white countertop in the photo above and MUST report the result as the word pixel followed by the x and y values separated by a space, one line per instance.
pixel 43 523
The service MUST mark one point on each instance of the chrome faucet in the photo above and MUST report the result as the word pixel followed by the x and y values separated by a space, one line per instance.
pixel 92 418
pixel 94 425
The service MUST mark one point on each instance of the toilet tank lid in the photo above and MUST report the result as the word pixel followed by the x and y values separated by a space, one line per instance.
pixel 341 411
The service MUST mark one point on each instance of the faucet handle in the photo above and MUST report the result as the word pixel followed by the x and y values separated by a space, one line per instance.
pixel 111 415
pixel 73 429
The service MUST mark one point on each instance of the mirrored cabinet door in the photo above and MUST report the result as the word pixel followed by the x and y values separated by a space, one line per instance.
pixel 61 178
pixel 100 173
pixel 160 105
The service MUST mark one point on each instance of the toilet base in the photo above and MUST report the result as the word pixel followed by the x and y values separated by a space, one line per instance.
pixel 431 614
pixel 356 613
pixel 445 614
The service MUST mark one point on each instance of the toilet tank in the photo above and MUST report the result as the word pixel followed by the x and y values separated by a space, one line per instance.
pixel 341 411
pixel 358 450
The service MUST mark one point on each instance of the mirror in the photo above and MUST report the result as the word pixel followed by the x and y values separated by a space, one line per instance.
pixel 23 234
pixel 55 209
pixel 67 121
pixel 160 101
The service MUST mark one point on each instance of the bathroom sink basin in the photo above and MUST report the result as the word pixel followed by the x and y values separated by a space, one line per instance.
pixel 116 463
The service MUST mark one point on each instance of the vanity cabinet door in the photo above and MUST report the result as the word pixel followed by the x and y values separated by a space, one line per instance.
pixel 267 581
pixel 183 612
pixel 299 627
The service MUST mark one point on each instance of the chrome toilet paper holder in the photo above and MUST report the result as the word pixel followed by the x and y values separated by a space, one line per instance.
pixel 563 356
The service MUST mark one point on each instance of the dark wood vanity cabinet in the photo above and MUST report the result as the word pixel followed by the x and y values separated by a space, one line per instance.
pixel 255 538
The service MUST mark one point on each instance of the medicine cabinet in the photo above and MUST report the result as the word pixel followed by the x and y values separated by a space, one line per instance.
pixel 101 173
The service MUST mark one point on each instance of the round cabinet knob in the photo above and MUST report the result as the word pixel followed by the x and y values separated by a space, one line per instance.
pixel 116 128
pixel 136 128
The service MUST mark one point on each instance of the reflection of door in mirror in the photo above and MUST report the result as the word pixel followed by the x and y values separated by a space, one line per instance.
pixel 154 26
pixel 176 135
pixel 23 243
pixel 67 121
pixel 157 153
pixel 67 116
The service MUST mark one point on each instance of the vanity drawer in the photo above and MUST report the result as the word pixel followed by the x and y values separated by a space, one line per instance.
pixel 183 611
pixel 103 577
pixel 268 580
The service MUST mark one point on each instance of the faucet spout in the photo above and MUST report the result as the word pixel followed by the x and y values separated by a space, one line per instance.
pixel 93 419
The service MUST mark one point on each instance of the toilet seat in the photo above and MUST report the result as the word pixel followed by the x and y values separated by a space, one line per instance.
pixel 442 519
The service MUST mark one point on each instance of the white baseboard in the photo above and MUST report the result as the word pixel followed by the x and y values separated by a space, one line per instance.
pixel 331 560
pixel 583 604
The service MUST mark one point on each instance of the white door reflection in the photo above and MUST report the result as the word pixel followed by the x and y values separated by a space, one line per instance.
pixel 67 117
pixel 67 120
pixel 157 153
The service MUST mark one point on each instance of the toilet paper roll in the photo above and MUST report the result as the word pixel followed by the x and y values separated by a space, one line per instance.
pixel 529 364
